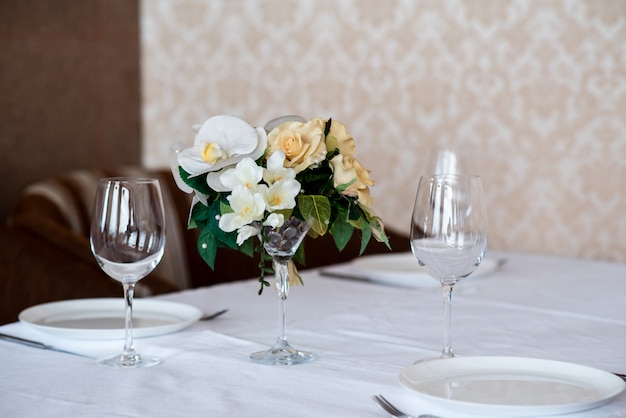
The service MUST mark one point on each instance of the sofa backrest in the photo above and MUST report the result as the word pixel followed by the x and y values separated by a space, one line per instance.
pixel 66 200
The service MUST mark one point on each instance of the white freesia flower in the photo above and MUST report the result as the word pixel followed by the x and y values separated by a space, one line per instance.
pixel 275 220
pixel 246 173
pixel 221 142
pixel 246 232
pixel 281 195
pixel 247 207
pixel 276 169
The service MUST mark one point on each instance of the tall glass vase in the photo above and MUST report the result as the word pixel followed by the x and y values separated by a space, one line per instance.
pixel 281 244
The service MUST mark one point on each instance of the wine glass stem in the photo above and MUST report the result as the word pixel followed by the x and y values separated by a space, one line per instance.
pixel 447 307
pixel 129 292
pixel 282 282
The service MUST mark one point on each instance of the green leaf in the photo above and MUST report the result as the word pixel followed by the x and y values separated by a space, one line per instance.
pixel 225 207
pixel 226 239
pixel 379 231
pixel 200 213
pixel 376 224
pixel 342 187
pixel 341 232
pixel 355 212
pixel 327 126
pixel 211 220
pixel 315 210
pixel 317 181
pixel 285 212
pixel 365 238
pixel 197 183
pixel 331 142
pixel 359 223
pixel 247 247
pixel 207 247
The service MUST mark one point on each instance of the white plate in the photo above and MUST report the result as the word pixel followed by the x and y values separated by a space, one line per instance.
pixel 402 269
pixel 104 318
pixel 511 386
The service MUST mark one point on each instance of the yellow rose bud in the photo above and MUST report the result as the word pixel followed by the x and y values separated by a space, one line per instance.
pixel 294 276
pixel 347 170
pixel 338 137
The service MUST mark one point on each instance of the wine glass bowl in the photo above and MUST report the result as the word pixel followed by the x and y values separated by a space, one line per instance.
pixel 127 239
pixel 448 234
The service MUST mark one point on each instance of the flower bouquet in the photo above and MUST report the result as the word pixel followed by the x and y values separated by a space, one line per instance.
pixel 278 183
pixel 249 181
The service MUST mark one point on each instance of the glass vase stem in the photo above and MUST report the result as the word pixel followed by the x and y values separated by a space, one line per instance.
pixel 281 244
pixel 282 283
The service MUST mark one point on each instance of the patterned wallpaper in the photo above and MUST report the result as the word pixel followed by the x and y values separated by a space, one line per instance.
pixel 533 91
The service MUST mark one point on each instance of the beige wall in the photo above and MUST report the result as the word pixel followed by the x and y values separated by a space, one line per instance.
pixel 536 88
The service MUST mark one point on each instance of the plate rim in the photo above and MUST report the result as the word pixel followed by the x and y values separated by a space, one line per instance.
pixel 518 410
pixel 186 315
pixel 419 278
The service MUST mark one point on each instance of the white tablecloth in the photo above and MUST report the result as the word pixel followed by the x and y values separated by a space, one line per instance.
pixel 364 333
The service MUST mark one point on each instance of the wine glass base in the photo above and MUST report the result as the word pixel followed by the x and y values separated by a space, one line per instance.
pixel 124 361
pixel 441 357
pixel 282 355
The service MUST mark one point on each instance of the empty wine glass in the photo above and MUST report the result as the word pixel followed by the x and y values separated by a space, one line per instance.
pixel 128 239
pixel 449 233
pixel 452 157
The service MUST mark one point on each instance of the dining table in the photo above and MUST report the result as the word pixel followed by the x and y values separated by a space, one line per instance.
pixel 368 321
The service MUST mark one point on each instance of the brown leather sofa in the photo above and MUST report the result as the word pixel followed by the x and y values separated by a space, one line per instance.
pixel 45 255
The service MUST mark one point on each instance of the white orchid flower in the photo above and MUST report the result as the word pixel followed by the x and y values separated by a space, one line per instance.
pixel 174 151
pixel 220 143
pixel 275 220
pixel 282 119
pixel 246 173
pixel 276 169
pixel 247 207
pixel 281 195
pixel 198 197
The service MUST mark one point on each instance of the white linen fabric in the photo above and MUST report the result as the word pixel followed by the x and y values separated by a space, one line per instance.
pixel 364 333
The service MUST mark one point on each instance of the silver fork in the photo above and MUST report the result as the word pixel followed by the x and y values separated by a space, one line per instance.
pixel 214 315
pixel 393 411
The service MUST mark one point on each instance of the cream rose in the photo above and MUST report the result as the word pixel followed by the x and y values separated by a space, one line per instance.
pixel 338 137
pixel 302 143
pixel 347 169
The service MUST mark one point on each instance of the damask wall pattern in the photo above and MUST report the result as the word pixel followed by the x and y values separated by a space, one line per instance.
pixel 534 90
